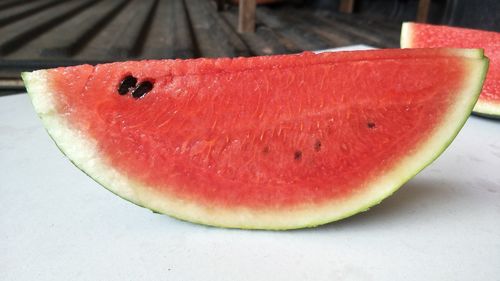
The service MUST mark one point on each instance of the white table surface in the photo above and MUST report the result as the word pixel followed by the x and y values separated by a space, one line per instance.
pixel 58 224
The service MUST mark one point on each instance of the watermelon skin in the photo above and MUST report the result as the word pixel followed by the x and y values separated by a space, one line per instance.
pixel 417 35
pixel 82 131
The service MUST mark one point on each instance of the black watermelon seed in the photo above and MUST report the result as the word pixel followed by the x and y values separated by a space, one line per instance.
pixel 142 89
pixel 297 155
pixel 265 150
pixel 371 125
pixel 317 145
pixel 127 83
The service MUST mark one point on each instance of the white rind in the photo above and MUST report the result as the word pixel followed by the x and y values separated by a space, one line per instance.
pixel 84 153
pixel 406 35
pixel 488 108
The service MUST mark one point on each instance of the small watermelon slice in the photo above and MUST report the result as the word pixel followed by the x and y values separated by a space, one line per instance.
pixel 275 142
pixel 417 35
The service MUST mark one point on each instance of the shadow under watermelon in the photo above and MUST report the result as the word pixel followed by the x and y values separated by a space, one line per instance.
pixel 419 201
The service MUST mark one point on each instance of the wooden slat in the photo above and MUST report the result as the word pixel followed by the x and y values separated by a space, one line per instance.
pixel 21 32
pixel 18 12
pixel 128 42
pixel 214 37
pixel 12 3
pixel 183 44
pixel 169 35
pixel 346 6
pixel 393 26
pixel 355 34
pixel 246 18
pixel 293 30
pixel 221 5
pixel 263 41
pixel 368 30
pixel 67 38
pixel 122 27
pixel 423 10
pixel 324 31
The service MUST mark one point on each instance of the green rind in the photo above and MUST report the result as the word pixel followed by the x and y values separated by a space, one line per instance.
pixel 364 207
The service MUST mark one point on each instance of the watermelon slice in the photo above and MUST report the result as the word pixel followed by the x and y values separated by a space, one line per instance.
pixel 417 35
pixel 274 142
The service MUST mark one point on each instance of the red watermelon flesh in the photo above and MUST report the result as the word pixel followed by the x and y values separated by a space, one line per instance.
pixel 268 142
pixel 417 35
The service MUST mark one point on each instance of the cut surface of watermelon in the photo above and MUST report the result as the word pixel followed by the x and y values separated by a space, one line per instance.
pixel 417 35
pixel 273 142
